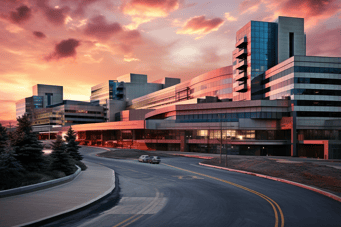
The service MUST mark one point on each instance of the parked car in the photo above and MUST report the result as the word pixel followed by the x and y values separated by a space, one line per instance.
pixel 144 158
pixel 155 160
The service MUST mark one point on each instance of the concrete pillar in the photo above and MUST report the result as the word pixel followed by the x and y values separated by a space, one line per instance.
pixel 294 152
pixel 183 142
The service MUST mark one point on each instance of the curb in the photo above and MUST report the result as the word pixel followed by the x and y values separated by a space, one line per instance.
pixel 330 195
pixel 46 219
pixel 39 186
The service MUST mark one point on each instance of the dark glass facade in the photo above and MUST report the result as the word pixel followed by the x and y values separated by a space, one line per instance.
pixel 263 47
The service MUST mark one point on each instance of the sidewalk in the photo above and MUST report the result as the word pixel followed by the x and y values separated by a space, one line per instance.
pixel 94 183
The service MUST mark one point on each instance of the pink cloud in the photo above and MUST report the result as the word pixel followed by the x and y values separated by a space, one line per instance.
pixel 150 8
pixel 200 25
pixel 64 49
pixel 247 5
pixel 56 16
pixel 326 43
pixel 98 27
pixel 39 35
pixel 22 13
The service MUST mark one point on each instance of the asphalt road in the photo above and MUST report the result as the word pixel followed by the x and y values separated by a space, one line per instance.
pixel 179 192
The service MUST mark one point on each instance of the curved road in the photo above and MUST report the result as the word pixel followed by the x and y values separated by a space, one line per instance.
pixel 179 192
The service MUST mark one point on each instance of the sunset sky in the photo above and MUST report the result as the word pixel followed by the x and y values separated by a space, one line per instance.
pixel 80 43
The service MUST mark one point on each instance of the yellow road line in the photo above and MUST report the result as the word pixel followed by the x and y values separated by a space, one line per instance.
pixel 122 222
pixel 133 220
pixel 269 200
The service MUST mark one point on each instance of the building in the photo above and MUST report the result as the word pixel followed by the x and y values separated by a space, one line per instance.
pixel 262 45
pixel 47 109
pixel 69 112
pixel 273 100
pixel 115 94
pixel 43 95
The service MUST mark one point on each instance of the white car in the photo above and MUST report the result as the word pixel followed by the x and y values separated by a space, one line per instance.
pixel 144 158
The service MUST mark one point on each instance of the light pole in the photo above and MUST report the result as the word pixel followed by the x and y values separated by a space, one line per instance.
pixel 221 138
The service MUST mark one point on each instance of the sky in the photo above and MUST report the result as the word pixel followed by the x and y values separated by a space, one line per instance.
pixel 80 43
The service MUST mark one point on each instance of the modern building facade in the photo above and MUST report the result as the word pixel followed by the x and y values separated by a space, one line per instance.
pixel 69 112
pixel 115 94
pixel 43 95
pixel 262 45
pixel 273 100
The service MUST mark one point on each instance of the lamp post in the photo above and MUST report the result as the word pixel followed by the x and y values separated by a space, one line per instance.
pixel 221 138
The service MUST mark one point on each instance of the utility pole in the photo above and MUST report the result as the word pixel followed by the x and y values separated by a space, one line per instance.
pixel 221 138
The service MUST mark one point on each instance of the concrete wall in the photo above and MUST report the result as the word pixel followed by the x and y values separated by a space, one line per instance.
pixel 133 78
pixel 114 106
pixel 285 26
pixel 42 89
pixel 135 90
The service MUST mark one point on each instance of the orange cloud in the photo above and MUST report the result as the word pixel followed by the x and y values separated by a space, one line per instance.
pixel 229 17
pixel 200 25
pixel 143 11
pixel 249 6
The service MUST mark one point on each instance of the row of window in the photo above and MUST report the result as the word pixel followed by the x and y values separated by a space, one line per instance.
pixel 83 111
pixel 317 134
pixel 300 80
pixel 316 103
pixel 305 70
pixel 318 114
pixel 240 134
pixel 210 85
pixel 315 92
pixel 230 116
pixel 85 117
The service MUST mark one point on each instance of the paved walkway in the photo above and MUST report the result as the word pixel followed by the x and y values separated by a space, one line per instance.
pixel 91 185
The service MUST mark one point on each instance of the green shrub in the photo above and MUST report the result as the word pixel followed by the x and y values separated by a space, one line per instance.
pixel 81 165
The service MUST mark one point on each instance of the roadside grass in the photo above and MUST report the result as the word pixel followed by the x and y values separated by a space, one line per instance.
pixel 321 176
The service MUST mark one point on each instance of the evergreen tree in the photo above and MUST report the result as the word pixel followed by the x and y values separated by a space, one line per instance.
pixel 3 138
pixel 72 147
pixel 11 171
pixel 61 161
pixel 27 147
pixel 8 161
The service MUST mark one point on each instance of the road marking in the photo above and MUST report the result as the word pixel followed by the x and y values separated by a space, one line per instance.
pixel 269 200
pixel 158 202
pixel 133 220
pixel 122 222
pixel 188 177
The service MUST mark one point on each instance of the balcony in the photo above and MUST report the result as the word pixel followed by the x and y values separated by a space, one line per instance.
pixel 241 88
pixel 241 43
pixel 241 64
pixel 241 76
pixel 242 54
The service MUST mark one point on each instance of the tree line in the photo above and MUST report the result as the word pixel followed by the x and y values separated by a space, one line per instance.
pixel 22 160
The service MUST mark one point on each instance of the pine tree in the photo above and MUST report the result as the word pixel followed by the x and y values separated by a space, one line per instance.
pixel 72 147
pixel 3 138
pixel 8 161
pixel 61 161
pixel 27 147
pixel 11 171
